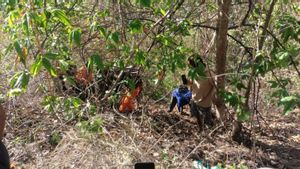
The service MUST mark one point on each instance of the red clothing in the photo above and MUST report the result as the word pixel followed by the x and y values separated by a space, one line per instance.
pixel 127 102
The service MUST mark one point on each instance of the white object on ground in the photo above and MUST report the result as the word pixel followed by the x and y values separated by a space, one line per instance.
pixel 199 165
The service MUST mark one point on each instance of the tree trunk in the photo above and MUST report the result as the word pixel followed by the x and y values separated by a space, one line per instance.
pixel 221 51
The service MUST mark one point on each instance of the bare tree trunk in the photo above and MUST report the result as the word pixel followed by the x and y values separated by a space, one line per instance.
pixel 221 51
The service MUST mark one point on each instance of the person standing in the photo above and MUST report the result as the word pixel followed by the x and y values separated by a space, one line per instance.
pixel 203 91
pixel 4 158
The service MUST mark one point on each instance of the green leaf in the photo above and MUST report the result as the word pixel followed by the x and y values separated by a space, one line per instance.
pixel 115 37
pixel 165 39
pixel 19 52
pixel 285 1
pixel 61 16
pixel 129 82
pixel 104 13
pixel 288 27
pixel 13 15
pixel 36 67
pixel 19 82
pixel 103 32
pixel 13 80
pixel 76 102
pixel 163 12
pixel 63 65
pixel 283 56
pixel 90 64
pixel 46 63
pixel 144 3
pixel 75 36
pixel 274 84
pixel 12 3
pixel 25 24
pixel 288 99
pixel 51 56
pixel 38 3
pixel 243 115
pixel 289 103
pixel 135 26
pixel 14 92
pixel 97 61
pixel 140 57
pixel 37 19
pixel 280 93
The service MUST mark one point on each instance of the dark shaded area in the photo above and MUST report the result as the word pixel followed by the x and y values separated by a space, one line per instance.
pixel 144 166
pixel 4 158
pixel 102 81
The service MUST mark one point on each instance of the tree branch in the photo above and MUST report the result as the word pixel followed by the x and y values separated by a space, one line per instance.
pixel 169 13
pixel 53 29
pixel 248 51
pixel 250 4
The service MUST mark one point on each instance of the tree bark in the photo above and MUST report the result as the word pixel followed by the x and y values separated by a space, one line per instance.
pixel 221 51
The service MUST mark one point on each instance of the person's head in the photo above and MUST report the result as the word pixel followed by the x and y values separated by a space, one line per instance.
pixel 184 80
pixel 195 60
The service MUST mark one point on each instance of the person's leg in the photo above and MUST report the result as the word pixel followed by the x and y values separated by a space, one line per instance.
pixel 183 102
pixel 208 117
pixel 173 104
pixel 180 108
pixel 198 114
pixel 4 158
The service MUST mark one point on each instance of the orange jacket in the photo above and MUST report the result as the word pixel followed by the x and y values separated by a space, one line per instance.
pixel 127 101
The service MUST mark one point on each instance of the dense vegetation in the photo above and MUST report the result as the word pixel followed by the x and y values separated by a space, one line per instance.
pixel 252 46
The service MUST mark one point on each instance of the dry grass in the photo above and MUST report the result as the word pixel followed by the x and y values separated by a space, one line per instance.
pixel 169 140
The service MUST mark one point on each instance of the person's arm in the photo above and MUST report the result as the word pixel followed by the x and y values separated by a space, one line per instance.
pixel 2 121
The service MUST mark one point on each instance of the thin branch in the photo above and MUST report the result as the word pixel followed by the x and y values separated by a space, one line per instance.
pixel 45 4
pixel 250 4
pixel 131 55
pixel 248 49
pixel 266 25
pixel 281 45
pixel 53 29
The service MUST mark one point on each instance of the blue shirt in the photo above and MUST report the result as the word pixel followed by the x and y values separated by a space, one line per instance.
pixel 183 96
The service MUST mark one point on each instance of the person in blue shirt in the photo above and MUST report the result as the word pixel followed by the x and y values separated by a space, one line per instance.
pixel 181 96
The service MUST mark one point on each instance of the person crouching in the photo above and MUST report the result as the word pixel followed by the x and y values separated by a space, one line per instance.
pixel 180 96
